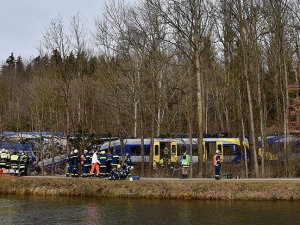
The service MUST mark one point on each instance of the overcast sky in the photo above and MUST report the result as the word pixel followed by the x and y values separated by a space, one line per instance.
pixel 23 22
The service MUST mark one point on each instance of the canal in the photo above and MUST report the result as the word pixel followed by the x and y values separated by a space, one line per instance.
pixel 73 210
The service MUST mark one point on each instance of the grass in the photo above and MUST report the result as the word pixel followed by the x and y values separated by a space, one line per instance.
pixel 208 190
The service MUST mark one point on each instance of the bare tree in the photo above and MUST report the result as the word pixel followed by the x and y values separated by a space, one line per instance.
pixel 189 21
pixel 57 38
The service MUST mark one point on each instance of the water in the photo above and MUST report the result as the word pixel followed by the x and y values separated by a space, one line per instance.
pixel 63 210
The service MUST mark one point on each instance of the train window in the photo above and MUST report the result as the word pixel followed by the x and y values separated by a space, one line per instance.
pixel 229 149
pixel 183 148
pixel 220 148
pixel 135 150
pixel 231 153
pixel 156 150
pixel 147 150
pixel 180 150
pixel 206 148
pixel 173 150
pixel 195 150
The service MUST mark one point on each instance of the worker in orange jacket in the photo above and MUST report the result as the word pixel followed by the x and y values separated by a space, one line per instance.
pixel 217 164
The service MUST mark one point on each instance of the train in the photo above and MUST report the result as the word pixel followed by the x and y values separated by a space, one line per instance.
pixel 170 149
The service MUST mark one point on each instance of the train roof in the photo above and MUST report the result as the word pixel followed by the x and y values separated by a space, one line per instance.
pixel 147 141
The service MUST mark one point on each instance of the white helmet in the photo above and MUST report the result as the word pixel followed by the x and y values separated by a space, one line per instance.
pixel 75 151
pixel 218 152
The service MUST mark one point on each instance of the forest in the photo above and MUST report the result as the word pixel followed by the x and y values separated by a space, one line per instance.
pixel 158 67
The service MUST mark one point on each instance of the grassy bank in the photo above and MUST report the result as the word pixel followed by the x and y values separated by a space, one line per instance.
pixel 174 189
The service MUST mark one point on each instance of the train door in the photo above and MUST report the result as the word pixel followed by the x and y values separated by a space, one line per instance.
pixel 156 152
pixel 219 146
pixel 174 155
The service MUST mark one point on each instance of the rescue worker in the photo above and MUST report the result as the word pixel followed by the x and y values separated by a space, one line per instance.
pixel 27 163
pixel 70 166
pixel 217 164
pixel 185 163
pixel 127 161
pixel 8 159
pixel 108 163
pixel 166 160
pixel 22 164
pixel 14 162
pixel 86 161
pixel 1 164
pixel 115 173
pixel 115 159
pixel 125 173
pixel 103 161
pixel 3 159
pixel 75 163
pixel 95 164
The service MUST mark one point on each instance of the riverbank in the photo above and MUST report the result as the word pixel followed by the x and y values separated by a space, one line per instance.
pixel 207 189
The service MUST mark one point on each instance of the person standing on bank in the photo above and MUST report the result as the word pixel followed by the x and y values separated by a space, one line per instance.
pixel 86 160
pixel 3 159
pixel 108 163
pixel 217 164
pixel 103 163
pixel 95 164
pixel 185 163
pixel 115 159
pixel 23 162
pixel 75 164
pixel 70 165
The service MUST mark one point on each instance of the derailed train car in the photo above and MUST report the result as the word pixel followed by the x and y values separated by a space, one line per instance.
pixel 275 147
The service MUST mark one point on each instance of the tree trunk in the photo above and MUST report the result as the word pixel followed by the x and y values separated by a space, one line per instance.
pixel 188 101
pixel 240 113
pixel 286 120
pixel 251 124
pixel 198 76
pixel 262 123
pixel 249 96
pixel 153 115
pixel 135 115
pixel 159 110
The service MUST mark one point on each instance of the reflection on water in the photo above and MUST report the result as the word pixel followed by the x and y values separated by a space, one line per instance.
pixel 64 210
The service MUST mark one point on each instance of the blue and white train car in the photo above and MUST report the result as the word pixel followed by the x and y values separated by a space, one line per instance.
pixel 173 148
